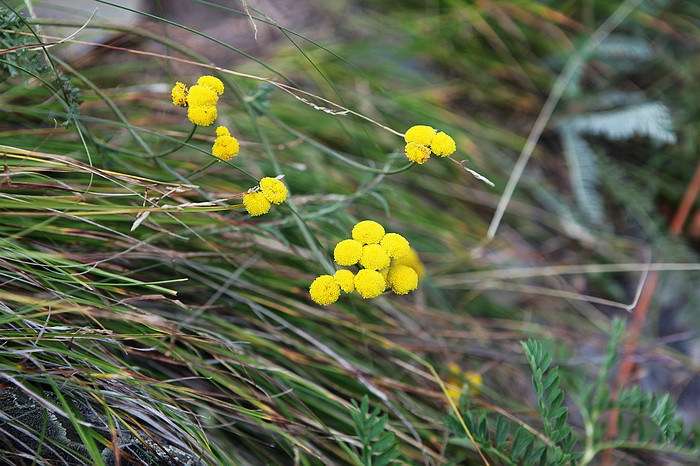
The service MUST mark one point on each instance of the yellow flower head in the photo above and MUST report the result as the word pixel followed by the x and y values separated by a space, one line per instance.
pixel 402 279
pixel 443 145
pixel 369 283
pixel 212 83
pixel 395 245
pixel 202 116
pixel 417 152
pixel 273 189
pixel 324 290
pixel 347 252
pixel 225 146
pixel 462 382
pixel 201 96
pixel 368 232
pixel 474 381
pixel 256 203
pixel 179 94
pixel 385 273
pixel 420 134
pixel 374 257
pixel 345 279
pixel 412 260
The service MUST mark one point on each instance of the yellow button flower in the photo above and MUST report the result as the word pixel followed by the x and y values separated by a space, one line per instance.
pixel 225 145
pixel 345 279
pixel 417 152
pixel 347 252
pixel 212 83
pixel 462 382
pixel 256 203
pixel 443 145
pixel 179 94
pixel 420 134
pixel 273 189
pixel 385 273
pixel 395 245
pixel 369 283
pixel 411 260
pixel 402 279
pixel 324 290
pixel 374 257
pixel 201 96
pixel 202 116
pixel 368 232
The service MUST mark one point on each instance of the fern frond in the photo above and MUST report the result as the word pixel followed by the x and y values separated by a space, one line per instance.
pixel 648 119
pixel 583 172
pixel 618 47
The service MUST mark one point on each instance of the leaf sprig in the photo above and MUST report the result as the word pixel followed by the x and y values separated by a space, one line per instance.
pixel 647 421
pixel 379 446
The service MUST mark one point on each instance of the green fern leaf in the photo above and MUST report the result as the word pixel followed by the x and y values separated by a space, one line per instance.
pixel 583 171
pixel 648 119
pixel 623 51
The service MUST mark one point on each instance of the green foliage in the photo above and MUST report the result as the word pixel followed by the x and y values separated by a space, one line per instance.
pixel 25 57
pixel 21 56
pixel 379 446
pixel 647 119
pixel 646 421
pixel 550 401
pixel 612 114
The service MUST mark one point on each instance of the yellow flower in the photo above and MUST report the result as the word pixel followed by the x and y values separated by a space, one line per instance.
pixel 368 232
pixel 453 392
pixel 345 279
pixel 212 83
pixel 273 189
pixel 395 245
pixel 374 257
pixel 420 134
pixel 417 152
pixel 347 252
pixel 474 381
pixel 324 290
pixel 256 203
pixel 462 382
pixel 412 260
pixel 402 279
pixel 443 145
pixel 369 283
pixel 179 94
pixel 225 146
pixel 201 96
pixel 202 116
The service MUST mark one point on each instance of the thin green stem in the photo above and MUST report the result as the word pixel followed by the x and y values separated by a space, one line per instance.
pixel 335 153
pixel 175 148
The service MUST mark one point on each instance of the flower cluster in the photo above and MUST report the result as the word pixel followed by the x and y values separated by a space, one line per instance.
pixel 421 140
pixel 270 191
pixel 225 145
pixel 200 99
pixel 461 382
pixel 379 256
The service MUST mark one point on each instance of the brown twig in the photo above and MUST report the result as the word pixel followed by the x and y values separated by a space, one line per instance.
pixel 634 329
